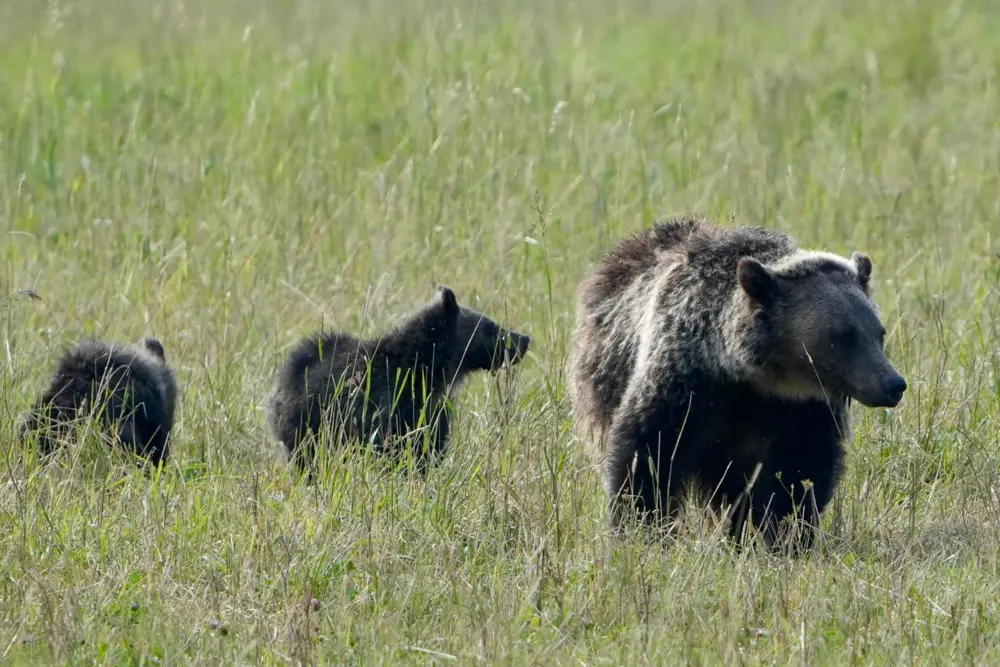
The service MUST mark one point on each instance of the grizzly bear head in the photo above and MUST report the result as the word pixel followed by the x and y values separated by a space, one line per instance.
pixel 816 331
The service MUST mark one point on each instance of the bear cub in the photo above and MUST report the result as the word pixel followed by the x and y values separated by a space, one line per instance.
pixel 387 390
pixel 725 359
pixel 128 389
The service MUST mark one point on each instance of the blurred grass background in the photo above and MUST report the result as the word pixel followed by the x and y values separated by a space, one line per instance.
pixel 230 177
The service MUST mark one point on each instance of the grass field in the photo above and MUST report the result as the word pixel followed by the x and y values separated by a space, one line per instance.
pixel 230 178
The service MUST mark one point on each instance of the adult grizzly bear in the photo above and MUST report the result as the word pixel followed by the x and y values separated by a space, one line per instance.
pixel 702 352
pixel 128 389
pixel 387 389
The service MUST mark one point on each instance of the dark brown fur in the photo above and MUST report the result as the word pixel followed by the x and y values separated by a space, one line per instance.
pixel 383 390
pixel 702 352
pixel 129 389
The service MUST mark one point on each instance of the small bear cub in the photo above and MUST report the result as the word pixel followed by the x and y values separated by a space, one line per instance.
pixel 386 390
pixel 128 389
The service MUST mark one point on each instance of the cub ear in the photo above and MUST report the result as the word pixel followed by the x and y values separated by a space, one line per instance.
pixel 156 347
pixel 757 280
pixel 864 265
pixel 448 300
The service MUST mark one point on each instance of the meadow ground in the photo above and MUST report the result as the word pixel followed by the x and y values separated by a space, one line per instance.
pixel 229 178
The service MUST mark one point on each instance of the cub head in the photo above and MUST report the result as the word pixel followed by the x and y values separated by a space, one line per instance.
pixel 479 342
pixel 816 332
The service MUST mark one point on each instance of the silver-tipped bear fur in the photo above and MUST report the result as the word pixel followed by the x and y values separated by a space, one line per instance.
pixel 702 352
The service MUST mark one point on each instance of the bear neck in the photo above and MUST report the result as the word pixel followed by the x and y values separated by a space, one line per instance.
pixel 428 357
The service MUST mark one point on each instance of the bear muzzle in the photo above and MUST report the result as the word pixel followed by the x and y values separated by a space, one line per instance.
pixel 887 394
pixel 893 387
pixel 515 347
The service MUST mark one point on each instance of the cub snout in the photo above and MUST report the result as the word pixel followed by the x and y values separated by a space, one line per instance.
pixel 521 344
pixel 515 347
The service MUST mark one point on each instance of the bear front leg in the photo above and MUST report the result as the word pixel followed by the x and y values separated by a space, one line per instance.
pixel 648 463
pixel 794 488
pixel 429 449
pixel 441 432
pixel 782 514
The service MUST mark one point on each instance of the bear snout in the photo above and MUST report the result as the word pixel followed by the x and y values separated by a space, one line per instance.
pixel 880 389
pixel 893 387
pixel 515 348
pixel 523 342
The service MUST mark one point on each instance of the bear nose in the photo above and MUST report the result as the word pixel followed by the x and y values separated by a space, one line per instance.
pixel 515 347
pixel 522 344
pixel 894 387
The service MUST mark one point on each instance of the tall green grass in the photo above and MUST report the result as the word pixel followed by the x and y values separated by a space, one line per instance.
pixel 230 178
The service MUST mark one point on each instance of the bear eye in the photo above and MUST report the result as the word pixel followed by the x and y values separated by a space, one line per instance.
pixel 847 337
pixel 881 337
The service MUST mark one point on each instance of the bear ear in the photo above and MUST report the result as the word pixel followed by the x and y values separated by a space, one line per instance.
pixel 448 300
pixel 863 263
pixel 757 280
pixel 156 347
